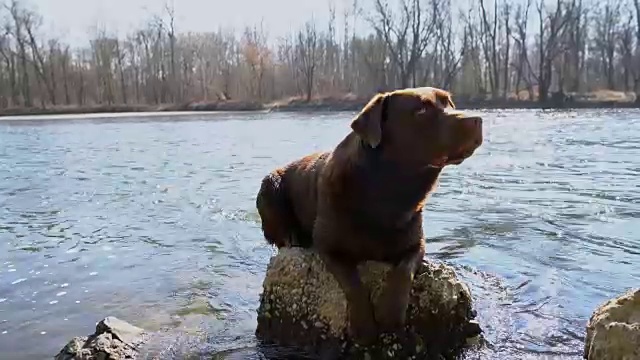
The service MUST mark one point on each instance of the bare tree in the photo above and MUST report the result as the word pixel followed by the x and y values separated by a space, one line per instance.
pixel 120 55
pixel 506 13
pixel 307 52
pixel 552 24
pixel 450 53
pixel 168 83
pixel 65 59
pixel 9 57
pixel 489 41
pixel 607 20
pixel 522 64
pixel 31 22
pixel 257 57
pixel 636 86
pixel 375 68
pixel 18 14
pixel 406 35
pixel 574 57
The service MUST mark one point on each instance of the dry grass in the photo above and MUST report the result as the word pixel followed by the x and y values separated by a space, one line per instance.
pixel 339 102
pixel 334 102
pixel 592 96
pixel 607 95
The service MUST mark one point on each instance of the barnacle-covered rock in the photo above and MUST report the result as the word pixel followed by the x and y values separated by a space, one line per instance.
pixel 303 306
pixel 613 331
pixel 113 339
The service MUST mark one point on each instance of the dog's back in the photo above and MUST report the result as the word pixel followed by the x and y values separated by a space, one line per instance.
pixel 287 201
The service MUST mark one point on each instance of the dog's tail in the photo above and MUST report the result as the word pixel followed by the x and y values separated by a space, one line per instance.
pixel 279 224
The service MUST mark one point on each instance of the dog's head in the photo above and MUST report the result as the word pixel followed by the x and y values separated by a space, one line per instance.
pixel 419 126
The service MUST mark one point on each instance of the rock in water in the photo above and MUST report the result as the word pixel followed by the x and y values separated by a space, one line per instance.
pixel 613 331
pixel 302 306
pixel 114 339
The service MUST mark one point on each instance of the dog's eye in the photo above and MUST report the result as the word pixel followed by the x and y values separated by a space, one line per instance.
pixel 421 111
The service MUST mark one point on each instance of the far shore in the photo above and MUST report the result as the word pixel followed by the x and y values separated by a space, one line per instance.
pixel 328 104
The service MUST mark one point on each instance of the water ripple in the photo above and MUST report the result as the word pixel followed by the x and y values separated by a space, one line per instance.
pixel 154 221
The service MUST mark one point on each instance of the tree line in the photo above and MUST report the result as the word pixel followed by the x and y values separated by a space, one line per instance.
pixel 486 49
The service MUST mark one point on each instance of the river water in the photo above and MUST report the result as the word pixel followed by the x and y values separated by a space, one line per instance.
pixel 152 219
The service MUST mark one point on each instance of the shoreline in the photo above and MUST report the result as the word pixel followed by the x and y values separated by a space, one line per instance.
pixel 321 105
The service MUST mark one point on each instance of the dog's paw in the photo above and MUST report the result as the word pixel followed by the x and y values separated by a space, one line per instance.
pixel 362 326
pixel 391 312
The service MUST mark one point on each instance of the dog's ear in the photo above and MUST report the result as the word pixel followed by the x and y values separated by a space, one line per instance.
pixel 368 123
pixel 442 99
pixel 445 98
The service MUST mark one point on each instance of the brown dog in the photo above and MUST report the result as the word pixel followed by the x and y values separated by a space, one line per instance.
pixel 363 200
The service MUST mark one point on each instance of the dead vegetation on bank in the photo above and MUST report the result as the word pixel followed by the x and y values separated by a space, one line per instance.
pixel 348 102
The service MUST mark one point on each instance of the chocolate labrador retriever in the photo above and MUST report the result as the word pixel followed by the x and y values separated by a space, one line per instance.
pixel 363 200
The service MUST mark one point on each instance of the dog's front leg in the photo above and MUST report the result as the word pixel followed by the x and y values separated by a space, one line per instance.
pixel 361 318
pixel 392 306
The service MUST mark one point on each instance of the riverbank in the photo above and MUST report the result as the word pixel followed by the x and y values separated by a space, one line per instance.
pixel 320 104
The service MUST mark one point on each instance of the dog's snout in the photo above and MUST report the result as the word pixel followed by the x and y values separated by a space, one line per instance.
pixel 473 123
pixel 477 121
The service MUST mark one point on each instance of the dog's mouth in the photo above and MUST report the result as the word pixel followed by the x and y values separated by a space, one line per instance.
pixel 455 158
pixel 462 154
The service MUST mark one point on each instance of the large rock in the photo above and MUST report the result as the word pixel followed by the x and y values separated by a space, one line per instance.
pixel 613 331
pixel 302 306
pixel 114 339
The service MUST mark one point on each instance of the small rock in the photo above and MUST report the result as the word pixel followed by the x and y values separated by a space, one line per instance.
pixel 473 328
pixel 474 340
pixel 613 331
pixel 122 330
pixel 72 349
pixel 113 339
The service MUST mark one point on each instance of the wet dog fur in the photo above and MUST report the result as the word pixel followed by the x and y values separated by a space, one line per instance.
pixel 364 199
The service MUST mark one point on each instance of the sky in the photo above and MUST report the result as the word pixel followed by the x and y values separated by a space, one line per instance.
pixel 75 20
